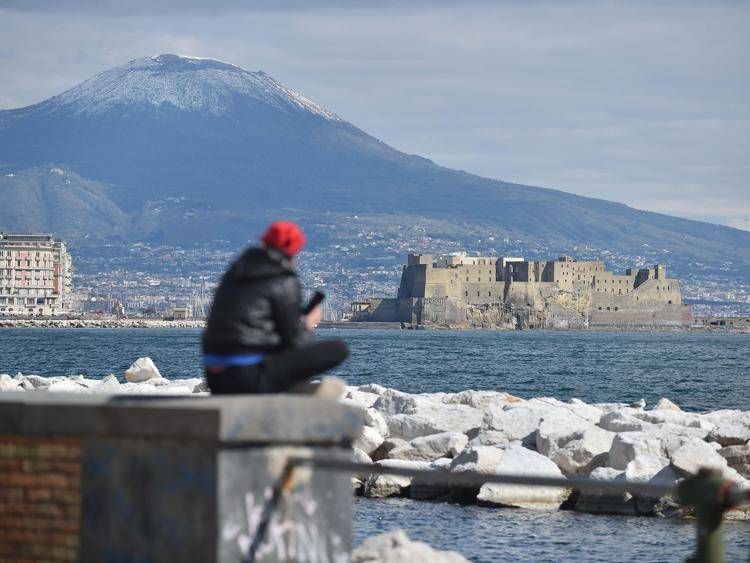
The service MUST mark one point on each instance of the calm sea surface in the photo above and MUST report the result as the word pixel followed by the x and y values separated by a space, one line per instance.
pixel 697 371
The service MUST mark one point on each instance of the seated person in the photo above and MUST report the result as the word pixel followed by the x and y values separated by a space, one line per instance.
pixel 256 339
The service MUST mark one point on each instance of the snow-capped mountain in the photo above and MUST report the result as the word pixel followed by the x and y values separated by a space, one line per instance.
pixel 185 83
pixel 188 149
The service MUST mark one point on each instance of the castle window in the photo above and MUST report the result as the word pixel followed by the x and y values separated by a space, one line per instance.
pixel 477 294
pixel 670 301
pixel 607 308
pixel 489 294
pixel 467 293
pixel 600 308
pixel 615 308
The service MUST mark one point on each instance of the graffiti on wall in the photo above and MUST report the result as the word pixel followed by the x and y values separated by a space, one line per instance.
pixel 296 531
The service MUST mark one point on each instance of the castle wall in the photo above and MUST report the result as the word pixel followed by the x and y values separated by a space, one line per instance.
pixel 656 315
pixel 413 280
pixel 477 293
pixel 469 290
pixel 443 282
pixel 383 310
pixel 652 292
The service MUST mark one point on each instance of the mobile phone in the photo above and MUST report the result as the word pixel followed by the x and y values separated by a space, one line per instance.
pixel 316 300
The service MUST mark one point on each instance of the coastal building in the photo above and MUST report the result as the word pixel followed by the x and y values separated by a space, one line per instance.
pixel 35 275
pixel 459 289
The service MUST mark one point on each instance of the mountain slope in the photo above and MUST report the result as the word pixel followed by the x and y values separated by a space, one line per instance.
pixel 236 146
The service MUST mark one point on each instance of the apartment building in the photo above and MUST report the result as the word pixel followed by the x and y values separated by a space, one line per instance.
pixel 35 275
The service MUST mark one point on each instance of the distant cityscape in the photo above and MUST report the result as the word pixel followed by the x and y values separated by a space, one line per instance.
pixel 153 280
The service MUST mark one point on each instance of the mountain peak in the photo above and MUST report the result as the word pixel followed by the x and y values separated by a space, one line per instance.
pixel 186 83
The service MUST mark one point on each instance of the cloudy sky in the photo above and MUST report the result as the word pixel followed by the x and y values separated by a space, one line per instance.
pixel 647 103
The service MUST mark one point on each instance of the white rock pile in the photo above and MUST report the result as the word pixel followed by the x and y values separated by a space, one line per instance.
pixel 396 547
pixel 494 432
pixel 141 378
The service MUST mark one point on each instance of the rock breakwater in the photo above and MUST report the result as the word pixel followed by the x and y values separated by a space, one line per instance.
pixel 100 323
pixel 495 432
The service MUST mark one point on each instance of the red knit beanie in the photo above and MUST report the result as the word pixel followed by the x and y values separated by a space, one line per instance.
pixel 284 236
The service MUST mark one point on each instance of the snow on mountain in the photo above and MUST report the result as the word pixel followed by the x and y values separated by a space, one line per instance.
pixel 187 83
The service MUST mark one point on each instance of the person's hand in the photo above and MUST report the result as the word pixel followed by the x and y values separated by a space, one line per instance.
pixel 312 319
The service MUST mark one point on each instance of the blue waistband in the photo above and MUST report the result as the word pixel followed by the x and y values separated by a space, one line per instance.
pixel 217 360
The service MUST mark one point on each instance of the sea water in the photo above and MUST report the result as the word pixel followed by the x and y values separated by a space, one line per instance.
pixel 698 371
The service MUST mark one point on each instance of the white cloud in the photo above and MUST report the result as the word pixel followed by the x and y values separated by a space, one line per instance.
pixel 644 103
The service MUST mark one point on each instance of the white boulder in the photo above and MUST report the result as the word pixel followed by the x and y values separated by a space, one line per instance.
pixel 383 485
pixel 34 381
pixel 517 423
pixel 369 440
pixel 429 448
pixel 428 488
pixel 645 467
pixel 7 383
pixel 665 404
pixel 68 386
pixel 622 421
pixel 738 458
pixel 481 399
pixel 517 460
pixel 730 434
pixel 695 454
pixel 358 456
pixel 629 445
pixel 482 459
pixel 362 398
pixel 576 445
pixel 109 384
pixel 432 418
pixel 375 419
pixel 606 503
pixel 494 438
pixel 141 370
pixel 388 445
pixel 396 547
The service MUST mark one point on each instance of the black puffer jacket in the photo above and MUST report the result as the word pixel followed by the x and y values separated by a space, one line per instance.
pixel 257 306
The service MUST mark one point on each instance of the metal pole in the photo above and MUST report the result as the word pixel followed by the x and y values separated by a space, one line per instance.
pixel 710 495
pixel 474 478
pixel 707 492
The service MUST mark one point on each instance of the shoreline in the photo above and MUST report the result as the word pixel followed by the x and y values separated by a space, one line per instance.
pixel 148 323
pixel 101 323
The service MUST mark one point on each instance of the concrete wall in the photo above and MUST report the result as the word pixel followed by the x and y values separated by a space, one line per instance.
pixel 91 478
pixel 658 315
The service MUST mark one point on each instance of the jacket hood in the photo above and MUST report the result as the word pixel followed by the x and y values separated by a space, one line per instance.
pixel 257 263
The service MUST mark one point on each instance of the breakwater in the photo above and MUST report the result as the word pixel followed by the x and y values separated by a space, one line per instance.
pixel 100 323
pixel 496 432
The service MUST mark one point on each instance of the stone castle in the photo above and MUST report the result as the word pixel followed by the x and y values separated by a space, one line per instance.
pixel 460 290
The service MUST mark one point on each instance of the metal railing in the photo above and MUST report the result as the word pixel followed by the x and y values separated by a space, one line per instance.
pixel 708 494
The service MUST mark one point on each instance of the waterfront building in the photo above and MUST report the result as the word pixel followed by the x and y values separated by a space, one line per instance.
pixel 35 275
pixel 464 290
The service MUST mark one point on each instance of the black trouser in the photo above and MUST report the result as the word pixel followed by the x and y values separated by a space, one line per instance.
pixel 278 372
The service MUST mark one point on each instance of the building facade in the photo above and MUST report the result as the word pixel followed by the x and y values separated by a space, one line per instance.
pixel 35 275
